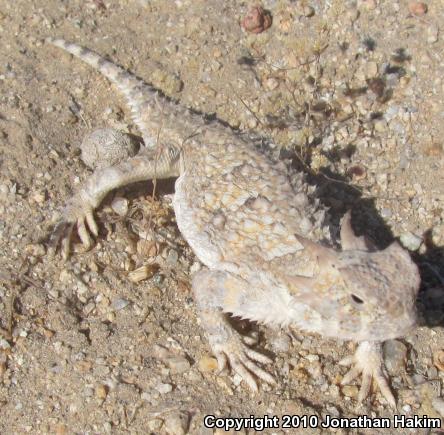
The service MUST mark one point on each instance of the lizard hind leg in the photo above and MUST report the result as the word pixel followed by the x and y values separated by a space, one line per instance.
pixel 229 347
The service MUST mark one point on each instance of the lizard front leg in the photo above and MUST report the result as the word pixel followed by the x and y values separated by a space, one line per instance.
pixel 151 164
pixel 211 289
pixel 368 361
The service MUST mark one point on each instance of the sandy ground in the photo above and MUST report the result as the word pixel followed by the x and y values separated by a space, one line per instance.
pixel 352 92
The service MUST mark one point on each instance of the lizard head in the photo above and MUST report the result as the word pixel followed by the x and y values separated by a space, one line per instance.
pixel 361 294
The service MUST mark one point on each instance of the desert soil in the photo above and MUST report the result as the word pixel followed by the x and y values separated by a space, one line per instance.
pixel 351 92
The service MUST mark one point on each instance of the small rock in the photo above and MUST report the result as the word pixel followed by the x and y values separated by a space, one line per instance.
pixel 119 304
pixel 312 358
pixel 172 257
pixel 308 11
pixel 350 391
pixel 207 364
pixel 281 343
pixel 4 345
pixel 141 273
pixel 176 423
pixel 371 70
pixel 164 388
pixel 39 197
pixel 380 126
pixel 417 8
pixel 271 83
pixel 432 34
pixel 155 424
pixel 160 352
pixel 178 364
pixel 36 250
pixel 256 20
pixel 120 206
pixel 407 408
pixel 410 241
pixel 101 391
pixel 332 410
pixel 358 172
pixel 395 356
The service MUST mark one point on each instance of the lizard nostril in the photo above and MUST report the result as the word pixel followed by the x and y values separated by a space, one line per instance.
pixel 356 299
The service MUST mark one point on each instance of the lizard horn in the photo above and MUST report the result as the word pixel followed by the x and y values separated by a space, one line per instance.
pixel 349 240
pixel 324 254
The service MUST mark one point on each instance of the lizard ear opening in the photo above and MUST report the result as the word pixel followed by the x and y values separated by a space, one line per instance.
pixel 349 240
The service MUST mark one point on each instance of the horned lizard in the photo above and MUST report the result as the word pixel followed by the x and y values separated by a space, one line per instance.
pixel 258 236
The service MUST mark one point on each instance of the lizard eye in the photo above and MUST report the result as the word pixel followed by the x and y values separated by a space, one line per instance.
pixel 356 299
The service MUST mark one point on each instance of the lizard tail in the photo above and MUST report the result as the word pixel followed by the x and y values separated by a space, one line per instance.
pixel 137 92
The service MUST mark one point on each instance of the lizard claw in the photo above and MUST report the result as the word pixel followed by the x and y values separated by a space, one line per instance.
pixel 78 212
pixel 367 362
pixel 243 360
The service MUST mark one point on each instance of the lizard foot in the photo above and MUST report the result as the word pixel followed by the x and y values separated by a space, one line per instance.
pixel 235 352
pixel 77 212
pixel 367 361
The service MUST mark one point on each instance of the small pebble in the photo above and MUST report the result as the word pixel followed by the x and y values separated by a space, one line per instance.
pixel 407 408
pixel 256 20
pixel 417 8
pixel 141 273
pixel 207 364
pixel 332 410
pixel 432 34
pixel 120 206
pixel 410 241
pixel 178 364
pixel 164 388
pixel 119 304
pixel 308 11
pixel 395 356
pixel 4 345
pixel 350 391
pixel 281 343
pixel 271 83
pixel 101 391
pixel 371 70
pixel 176 423
pixel 172 257
pixel 154 425
pixel 160 352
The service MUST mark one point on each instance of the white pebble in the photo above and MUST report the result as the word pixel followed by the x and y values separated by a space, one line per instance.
pixel 178 364
pixel 120 206
pixel 410 241
pixel 164 388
